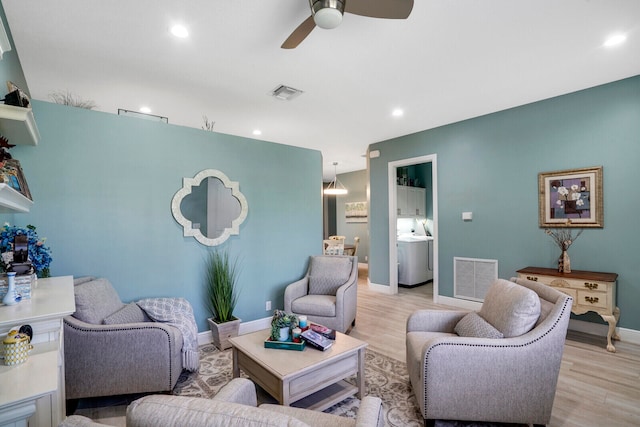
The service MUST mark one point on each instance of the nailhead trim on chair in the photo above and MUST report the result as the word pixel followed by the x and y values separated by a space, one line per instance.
pixel 426 356
pixel 171 367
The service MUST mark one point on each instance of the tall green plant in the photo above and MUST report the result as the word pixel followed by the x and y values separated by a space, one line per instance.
pixel 221 277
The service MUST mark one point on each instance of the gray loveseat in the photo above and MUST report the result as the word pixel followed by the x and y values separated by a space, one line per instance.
pixel 234 405
pixel 500 364
pixel 113 348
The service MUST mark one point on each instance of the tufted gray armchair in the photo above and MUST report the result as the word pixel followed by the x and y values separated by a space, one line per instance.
pixel 327 294
pixel 458 373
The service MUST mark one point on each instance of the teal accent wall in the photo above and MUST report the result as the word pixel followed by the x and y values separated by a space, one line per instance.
pixel 356 183
pixel 489 165
pixel 103 184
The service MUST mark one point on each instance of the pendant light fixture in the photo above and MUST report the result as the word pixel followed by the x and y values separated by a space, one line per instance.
pixel 335 187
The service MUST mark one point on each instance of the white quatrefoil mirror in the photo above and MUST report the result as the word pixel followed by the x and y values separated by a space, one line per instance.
pixel 210 207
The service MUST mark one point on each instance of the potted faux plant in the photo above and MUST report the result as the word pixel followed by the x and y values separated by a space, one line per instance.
pixel 282 324
pixel 221 297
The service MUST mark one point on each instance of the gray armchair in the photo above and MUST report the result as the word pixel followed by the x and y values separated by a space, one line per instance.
pixel 327 294
pixel 498 365
pixel 113 348
pixel 234 405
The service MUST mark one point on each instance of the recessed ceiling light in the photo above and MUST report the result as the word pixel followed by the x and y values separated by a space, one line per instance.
pixel 397 113
pixel 145 110
pixel 179 31
pixel 615 40
pixel 257 132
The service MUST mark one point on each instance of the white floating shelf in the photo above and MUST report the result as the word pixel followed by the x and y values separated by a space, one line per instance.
pixel 18 125
pixel 12 201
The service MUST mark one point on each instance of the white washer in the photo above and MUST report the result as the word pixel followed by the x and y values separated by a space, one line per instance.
pixel 415 260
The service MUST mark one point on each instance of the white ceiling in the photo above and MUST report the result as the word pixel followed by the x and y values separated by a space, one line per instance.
pixel 451 60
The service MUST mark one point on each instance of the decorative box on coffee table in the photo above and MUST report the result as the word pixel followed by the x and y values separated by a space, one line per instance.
pixel 591 291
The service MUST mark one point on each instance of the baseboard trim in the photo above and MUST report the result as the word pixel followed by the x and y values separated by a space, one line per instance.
pixel 459 302
pixel 245 328
pixel 383 289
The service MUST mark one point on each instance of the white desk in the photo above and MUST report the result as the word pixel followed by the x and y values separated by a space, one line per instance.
pixel 33 393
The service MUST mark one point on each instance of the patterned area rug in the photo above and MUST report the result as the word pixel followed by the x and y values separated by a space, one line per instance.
pixel 386 378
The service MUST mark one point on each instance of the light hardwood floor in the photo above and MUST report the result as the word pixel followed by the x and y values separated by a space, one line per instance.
pixel 596 388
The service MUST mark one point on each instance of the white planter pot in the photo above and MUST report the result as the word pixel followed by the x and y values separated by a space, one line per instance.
pixel 221 332
pixel 284 334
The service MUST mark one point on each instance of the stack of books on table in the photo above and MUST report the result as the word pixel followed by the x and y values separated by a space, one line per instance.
pixel 316 340
pixel 323 330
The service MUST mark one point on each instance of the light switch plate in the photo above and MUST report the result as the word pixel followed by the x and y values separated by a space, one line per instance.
pixel 467 216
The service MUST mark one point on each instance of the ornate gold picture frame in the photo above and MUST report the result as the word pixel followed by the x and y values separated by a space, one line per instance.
pixel 571 198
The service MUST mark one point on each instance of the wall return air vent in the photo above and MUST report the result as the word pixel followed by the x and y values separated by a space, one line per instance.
pixel 285 93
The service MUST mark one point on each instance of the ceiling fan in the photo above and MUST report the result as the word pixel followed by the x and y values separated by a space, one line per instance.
pixel 328 14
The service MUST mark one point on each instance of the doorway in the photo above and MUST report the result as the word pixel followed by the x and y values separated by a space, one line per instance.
pixel 393 218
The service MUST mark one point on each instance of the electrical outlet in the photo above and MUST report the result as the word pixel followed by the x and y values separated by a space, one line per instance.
pixel 267 306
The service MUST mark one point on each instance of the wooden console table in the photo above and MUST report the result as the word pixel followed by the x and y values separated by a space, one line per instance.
pixel 32 393
pixel 591 291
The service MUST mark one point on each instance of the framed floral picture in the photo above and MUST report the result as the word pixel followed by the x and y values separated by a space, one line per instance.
pixel 571 198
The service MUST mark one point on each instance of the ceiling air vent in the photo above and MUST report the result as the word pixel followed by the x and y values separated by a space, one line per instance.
pixel 285 93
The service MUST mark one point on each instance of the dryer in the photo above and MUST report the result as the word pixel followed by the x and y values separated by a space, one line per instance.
pixel 415 260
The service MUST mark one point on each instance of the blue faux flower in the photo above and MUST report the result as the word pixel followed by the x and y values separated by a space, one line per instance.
pixel 39 253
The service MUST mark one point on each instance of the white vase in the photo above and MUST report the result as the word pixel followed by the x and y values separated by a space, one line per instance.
pixel 10 297
pixel 284 334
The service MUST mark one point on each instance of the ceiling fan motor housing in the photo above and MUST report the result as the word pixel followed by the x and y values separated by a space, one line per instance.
pixel 327 14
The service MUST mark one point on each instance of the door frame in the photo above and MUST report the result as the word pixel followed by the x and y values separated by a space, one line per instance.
pixel 393 218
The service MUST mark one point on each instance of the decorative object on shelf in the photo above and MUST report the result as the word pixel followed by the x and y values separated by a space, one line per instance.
pixel 208 125
pixel 4 154
pixel 563 237
pixel 335 187
pixel 10 296
pixel 16 348
pixel 221 297
pixel 39 254
pixel 68 98
pixel 16 96
pixel 11 174
pixel 574 194
pixel 23 286
pixel 281 325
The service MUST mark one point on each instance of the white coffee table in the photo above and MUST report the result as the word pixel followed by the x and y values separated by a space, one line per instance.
pixel 311 378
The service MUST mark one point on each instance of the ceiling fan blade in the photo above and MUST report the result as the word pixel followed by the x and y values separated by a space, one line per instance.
pixel 299 34
pixel 389 9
